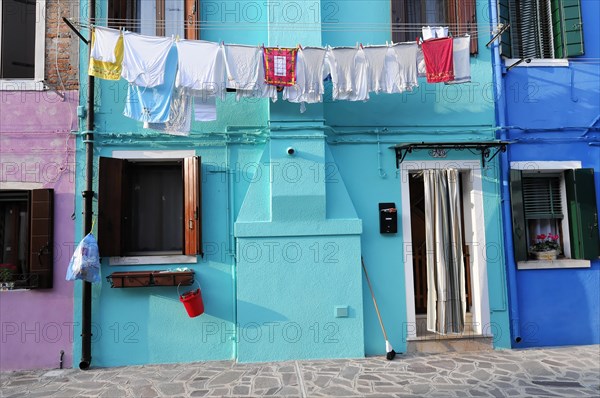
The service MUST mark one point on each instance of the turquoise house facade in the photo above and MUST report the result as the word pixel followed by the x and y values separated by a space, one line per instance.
pixel 290 206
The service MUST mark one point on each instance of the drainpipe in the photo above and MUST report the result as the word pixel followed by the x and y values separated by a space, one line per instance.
pixel 513 301
pixel 88 194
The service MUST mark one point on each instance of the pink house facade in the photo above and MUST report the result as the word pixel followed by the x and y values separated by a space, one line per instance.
pixel 37 181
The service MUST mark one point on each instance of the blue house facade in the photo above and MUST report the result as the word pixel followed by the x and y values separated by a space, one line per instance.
pixel 286 206
pixel 549 110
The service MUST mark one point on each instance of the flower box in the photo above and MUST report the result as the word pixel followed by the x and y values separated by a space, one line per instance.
pixel 545 255
pixel 150 278
pixel 173 278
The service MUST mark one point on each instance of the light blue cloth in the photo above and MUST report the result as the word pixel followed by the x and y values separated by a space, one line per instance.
pixel 152 104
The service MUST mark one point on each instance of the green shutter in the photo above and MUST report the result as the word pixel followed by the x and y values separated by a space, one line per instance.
pixel 541 197
pixel 504 17
pixel 518 216
pixel 567 28
pixel 583 214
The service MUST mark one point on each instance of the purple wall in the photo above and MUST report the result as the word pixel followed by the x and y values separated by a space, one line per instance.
pixel 37 151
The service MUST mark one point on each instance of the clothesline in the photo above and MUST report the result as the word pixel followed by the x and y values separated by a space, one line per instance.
pixel 165 73
pixel 324 27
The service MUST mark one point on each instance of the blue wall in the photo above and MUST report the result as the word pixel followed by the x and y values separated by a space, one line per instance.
pixel 552 114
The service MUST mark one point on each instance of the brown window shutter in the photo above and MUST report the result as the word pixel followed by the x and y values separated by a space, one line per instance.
pixel 191 12
pixel 462 18
pixel 192 206
pixel 41 238
pixel 111 197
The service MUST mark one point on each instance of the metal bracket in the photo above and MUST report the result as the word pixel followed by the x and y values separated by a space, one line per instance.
pixel 488 149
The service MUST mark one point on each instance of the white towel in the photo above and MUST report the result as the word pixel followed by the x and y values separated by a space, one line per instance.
pixel 432 32
pixel 243 65
pixel 461 53
pixel 105 41
pixel 376 56
pixel 402 67
pixel 349 73
pixel 201 67
pixel 314 59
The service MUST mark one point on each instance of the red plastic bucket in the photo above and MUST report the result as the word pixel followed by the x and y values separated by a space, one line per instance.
pixel 192 301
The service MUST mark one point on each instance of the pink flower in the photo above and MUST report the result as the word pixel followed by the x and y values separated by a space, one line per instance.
pixel 541 236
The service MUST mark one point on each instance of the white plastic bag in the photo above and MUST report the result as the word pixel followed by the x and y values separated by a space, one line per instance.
pixel 85 263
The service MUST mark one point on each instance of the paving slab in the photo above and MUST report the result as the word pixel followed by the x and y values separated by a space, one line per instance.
pixel 549 372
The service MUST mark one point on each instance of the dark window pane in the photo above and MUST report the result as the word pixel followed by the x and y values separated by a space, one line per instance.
pixel 14 230
pixel 156 214
pixel 18 39
pixel 408 17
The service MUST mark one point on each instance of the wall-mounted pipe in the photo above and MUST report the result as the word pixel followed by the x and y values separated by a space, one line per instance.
pixel 88 194
pixel 513 300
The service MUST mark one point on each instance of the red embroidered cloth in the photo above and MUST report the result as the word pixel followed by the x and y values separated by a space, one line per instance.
pixel 438 60
pixel 280 66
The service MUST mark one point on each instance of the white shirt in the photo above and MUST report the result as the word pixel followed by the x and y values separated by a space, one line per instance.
pixel 144 59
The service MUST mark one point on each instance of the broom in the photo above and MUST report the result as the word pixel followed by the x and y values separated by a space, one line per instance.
pixel 388 346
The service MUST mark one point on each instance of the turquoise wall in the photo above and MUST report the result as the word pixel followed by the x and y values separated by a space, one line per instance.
pixel 284 235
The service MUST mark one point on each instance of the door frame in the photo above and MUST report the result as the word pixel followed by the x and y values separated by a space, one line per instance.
pixel 474 236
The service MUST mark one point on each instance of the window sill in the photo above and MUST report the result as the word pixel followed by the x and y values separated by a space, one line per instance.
pixel 22 85
pixel 557 62
pixel 553 264
pixel 152 260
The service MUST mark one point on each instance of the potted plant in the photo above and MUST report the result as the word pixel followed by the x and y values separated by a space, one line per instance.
pixel 6 276
pixel 545 247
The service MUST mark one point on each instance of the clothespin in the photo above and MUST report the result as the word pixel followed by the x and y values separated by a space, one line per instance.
pixel 361 46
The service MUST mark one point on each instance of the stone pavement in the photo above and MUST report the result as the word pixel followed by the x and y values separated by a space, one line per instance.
pixel 554 372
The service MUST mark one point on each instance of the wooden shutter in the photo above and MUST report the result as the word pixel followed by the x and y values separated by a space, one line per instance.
pixel 583 214
pixel 192 206
pixel 462 18
pixel 191 12
pixel 518 216
pixel 41 239
pixel 542 197
pixel 505 39
pixel 567 28
pixel 111 202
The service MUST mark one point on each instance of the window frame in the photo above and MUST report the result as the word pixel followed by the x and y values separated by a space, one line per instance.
pixel 37 82
pixel 189 251
pixel 561 36
pixel 458 13
pixel 157 14
pixel 40 237
pixel 578 257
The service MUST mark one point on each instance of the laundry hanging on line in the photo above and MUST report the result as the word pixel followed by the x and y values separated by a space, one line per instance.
pixel 210 68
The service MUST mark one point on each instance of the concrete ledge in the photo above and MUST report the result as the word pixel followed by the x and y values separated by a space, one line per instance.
pixel 448 344
pixel 554 264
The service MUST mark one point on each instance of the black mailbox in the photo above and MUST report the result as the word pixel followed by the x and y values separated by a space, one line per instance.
pixel 388 218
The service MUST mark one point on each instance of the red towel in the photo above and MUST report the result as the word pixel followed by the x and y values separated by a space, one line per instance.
pixel 280 66
pixel 438 60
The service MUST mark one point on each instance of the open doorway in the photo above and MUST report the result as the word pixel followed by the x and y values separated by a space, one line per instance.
pixel 419 218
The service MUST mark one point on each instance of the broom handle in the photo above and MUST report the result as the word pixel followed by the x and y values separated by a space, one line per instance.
pixel 373 296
